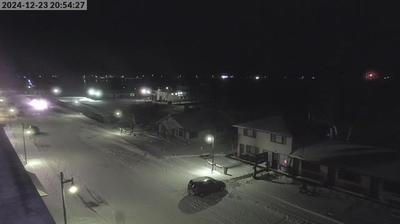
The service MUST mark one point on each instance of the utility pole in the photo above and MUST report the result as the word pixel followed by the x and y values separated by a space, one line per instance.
pixel 212 158
pixel 62 182
pixel 23 139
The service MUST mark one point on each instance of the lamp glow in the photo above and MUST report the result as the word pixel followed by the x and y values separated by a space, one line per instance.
pixel 39 104
pixel 209 138
pixel 73 189
pixel 56 91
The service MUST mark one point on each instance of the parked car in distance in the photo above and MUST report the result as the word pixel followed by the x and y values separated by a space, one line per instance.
pixel 202 186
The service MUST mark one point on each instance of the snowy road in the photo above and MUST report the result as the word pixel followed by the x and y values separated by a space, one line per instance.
pixel 123 184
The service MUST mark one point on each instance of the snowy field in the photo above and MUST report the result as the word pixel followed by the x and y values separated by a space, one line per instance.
pixel 121 183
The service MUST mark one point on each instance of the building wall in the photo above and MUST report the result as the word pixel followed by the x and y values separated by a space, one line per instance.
pixel 263 142
pixel 361 185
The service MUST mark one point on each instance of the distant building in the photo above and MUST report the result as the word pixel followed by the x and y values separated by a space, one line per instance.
pixel 194 125
pixel 170 96
pixel 269 136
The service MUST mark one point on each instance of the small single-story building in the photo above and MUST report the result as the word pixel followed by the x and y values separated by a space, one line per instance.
pixel 194 125
pixel 359 169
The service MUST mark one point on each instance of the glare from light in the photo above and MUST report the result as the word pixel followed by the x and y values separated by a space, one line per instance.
pixel 1 100
pixel 56 91
pixel 12 110
pixel 209 138
pixel 28 132
pixel 73 189
pixel 118 113
pixel 39 104
pixel 145 91
pixel 32 163
pixel 91 92
pixel 257 77
pixel 98 93
pixel 76 102
pixel 206 172
pixel 224 76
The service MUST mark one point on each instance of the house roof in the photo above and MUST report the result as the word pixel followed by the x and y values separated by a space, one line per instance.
pixel 335 149
pixel 197 120
pixel 271 124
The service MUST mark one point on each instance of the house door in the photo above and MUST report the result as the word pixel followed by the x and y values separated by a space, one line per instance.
pixel 275 160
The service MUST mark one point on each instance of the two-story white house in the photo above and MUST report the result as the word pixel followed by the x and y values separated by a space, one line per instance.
pixel 270 136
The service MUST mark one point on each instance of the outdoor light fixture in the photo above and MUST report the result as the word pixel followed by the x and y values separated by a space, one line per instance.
pixel 257 77
pixel 91 92
pixel 39 104
pixel 145 91
pixel 95 92
pixel 210 140
pixel 29 132
pixel 56 91
pixel 72 190
pixel 12 110
pixel 98 93
pixel 118 113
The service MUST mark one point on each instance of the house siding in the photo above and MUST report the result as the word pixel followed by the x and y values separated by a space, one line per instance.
pixel 262 141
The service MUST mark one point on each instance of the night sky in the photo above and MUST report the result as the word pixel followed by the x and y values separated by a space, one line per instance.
pixel 242 37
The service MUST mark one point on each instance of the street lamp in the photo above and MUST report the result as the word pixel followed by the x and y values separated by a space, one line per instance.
pixel 56 90
pixel 95 92
pixel 118 113
pixel 28 132
pixel 12 111
pixel 145 91
pixel 76 102
pixel 72 190
pixel 210 140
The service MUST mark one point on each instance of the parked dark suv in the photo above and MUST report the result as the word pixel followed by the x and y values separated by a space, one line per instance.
pixel 205 185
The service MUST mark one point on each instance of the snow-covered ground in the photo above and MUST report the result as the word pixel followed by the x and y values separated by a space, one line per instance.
pixel 122 183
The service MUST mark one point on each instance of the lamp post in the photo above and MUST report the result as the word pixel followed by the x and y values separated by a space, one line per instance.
pixel 210 140
pixel 23 139
pixel 72 189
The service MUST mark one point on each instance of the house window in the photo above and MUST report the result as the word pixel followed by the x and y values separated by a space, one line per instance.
pixel 349 176
pixel 252 149
pixel 278 139
pixel 180 132
pixel 248 148
pixel 249 132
